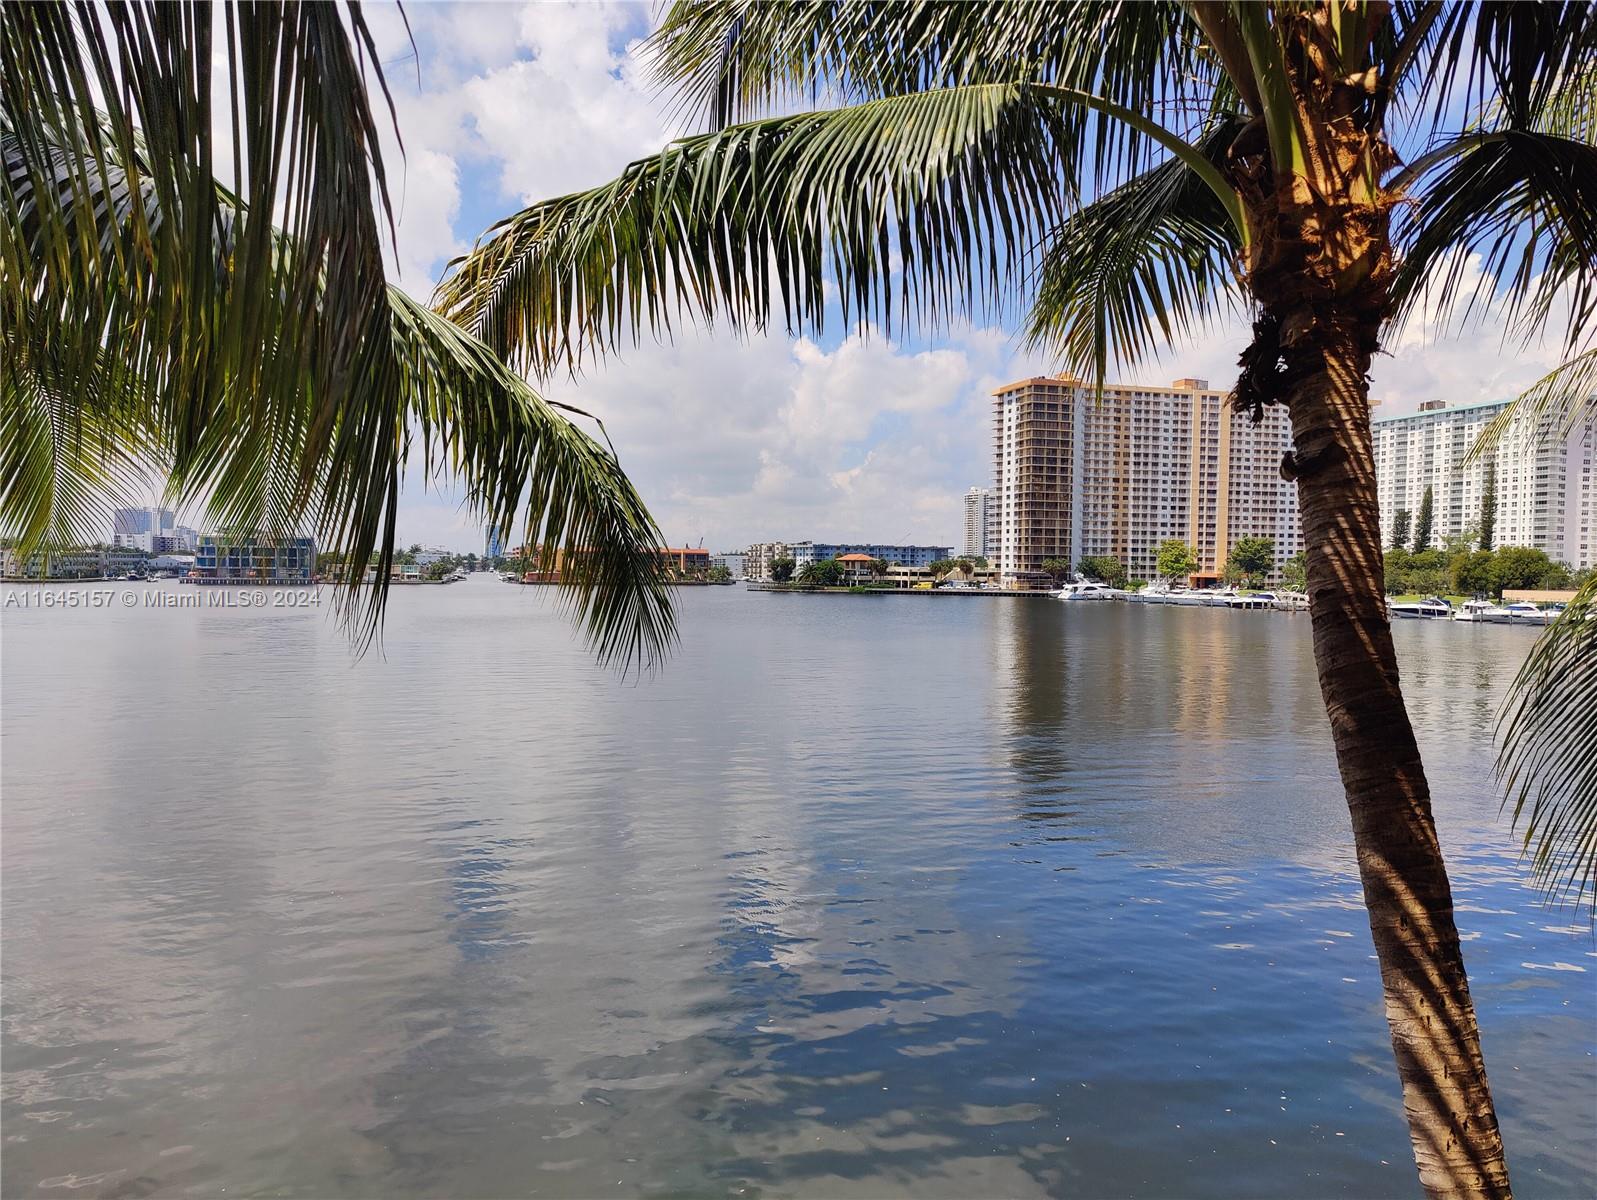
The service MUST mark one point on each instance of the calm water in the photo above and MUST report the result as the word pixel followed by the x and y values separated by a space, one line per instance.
pixel 861 897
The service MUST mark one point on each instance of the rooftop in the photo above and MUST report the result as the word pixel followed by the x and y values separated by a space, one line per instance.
pixel 1452 408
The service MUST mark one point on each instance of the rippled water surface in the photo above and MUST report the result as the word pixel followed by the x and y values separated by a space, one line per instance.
pixel 941 897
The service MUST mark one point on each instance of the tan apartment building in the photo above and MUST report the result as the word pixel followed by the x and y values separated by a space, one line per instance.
pixel 1078 475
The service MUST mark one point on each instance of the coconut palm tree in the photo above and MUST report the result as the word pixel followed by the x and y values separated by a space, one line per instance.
pixel 1130 170
pixel 241 343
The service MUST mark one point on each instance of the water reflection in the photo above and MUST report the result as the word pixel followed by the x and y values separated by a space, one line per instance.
pixel 863 897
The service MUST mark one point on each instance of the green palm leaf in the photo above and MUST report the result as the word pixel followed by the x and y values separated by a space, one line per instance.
pixel 1548 760
pixel 1145 263
pixel 929 203
pixel 161 323
pixel 734 60
pixel 1524 201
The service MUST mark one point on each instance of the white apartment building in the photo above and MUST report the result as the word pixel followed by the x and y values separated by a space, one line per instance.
pixel 151 530
pixel 1077 475
pixel 758 558
pixel 981 523
pixel 1546 481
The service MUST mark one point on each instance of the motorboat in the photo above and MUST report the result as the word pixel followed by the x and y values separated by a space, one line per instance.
pixel 1523 612
pixel 1432 608
pixel 1219 597
pixel 1252 600
pixel 1291 601
pixel 1161 592
pixel 1481 611
pixel 1086 590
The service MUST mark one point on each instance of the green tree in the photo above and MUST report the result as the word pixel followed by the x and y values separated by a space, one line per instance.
pixel 1400 528
pixel 719 574
pixel 1294 572
pixel 1103 568
pixel 1519 567
pixel 1251 559
pixel 941 566
pixel 1057 569
pixel 1472 573
pixel 1489 507
pixel 1394 579
pixel 824 572
pixel 1175 559
pixel 1422 523
pixel 782 569
pixel 1229 152
pixel 158 328
pixel 880 567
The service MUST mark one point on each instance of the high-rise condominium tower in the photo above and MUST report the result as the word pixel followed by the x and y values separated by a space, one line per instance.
pixel 981 523
pixel 1546 480
pixel 1080 475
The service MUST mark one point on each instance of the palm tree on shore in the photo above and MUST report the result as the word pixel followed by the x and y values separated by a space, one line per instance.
pixel 1132 169
pixel 242 343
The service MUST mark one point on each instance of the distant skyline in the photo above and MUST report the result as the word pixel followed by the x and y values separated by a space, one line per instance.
pixel 857 437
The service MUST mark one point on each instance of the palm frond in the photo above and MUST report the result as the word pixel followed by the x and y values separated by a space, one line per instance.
pixel 131 88
pixel 1144 264
pixel 146 338
pixel 1526 203
pixel 64 465
pixel 1504 55
pixel 735 60
pixel 1547 762
pixel 1556 403
pixel 928 203
pixel 524 464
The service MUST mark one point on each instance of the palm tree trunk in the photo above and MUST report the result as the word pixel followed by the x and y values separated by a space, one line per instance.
pixel 1457 1145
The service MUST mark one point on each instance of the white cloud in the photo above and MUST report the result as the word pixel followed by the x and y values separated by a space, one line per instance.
pixel 576 109
pixel 739 441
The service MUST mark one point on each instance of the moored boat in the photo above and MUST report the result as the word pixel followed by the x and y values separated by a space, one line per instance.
pixel 1432 608
pixel 1523 612
pixel 1481 612
pixel 1252 600
pixel 1086 590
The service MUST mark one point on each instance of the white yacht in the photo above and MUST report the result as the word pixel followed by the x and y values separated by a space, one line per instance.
pixel 1161 592
pixel 1523 612
pixel 1292 601
pixel 1481 611
pixel 1252 600
pixel 1432 608
pixel 1220 597
pixel 1085 590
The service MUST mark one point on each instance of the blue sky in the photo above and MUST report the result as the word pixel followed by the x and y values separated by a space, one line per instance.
pixel 857 436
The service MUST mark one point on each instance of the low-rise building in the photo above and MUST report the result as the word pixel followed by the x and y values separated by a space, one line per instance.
pixel 858 568
pixel 762 554
pixel 686 561
pixel 78 562
pixel 261 561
